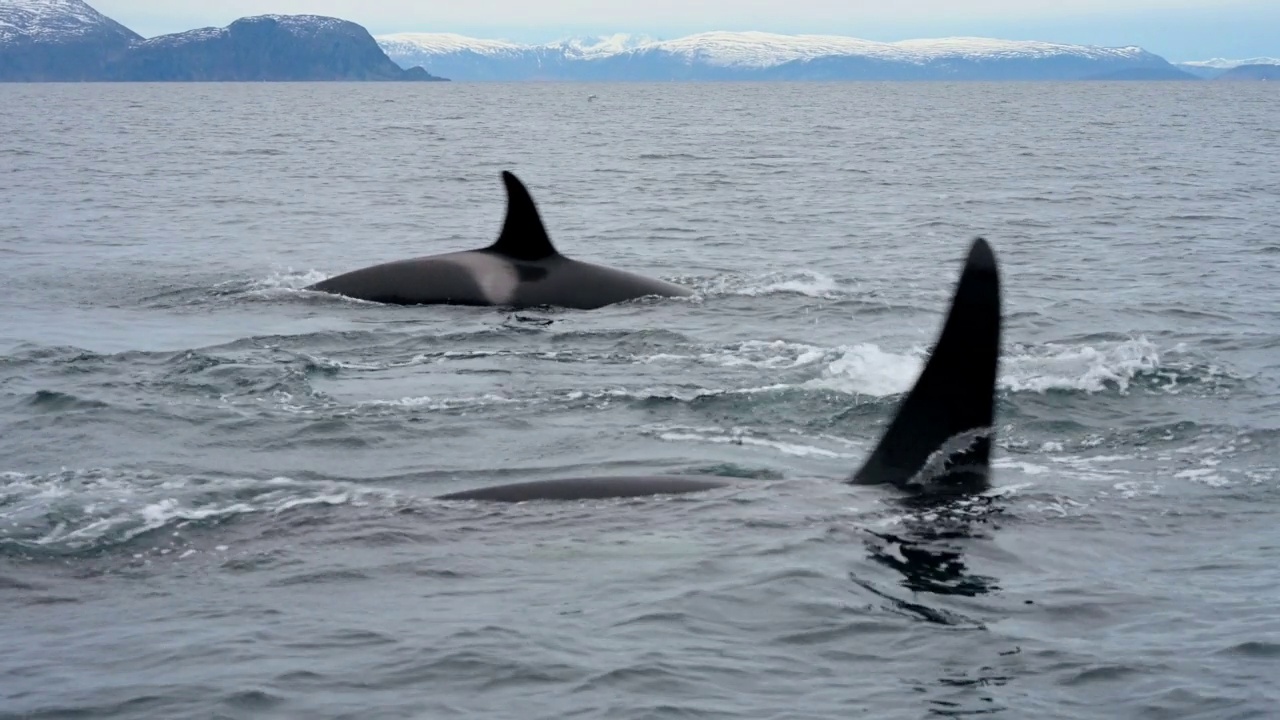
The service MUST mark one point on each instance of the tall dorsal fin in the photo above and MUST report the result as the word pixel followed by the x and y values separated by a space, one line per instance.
pixel 942 435
pixel 523 237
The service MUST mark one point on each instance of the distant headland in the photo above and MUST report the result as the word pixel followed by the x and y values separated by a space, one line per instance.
pixel 69 41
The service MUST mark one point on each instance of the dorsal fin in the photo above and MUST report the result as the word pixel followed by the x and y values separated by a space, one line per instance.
pixel 941 437
pixel 523 237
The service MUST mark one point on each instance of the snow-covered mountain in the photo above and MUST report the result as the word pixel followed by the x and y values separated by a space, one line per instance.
pixel 67 40
pixel 1216 66
pixel 432 44
pixel 265 47
pixel 758 55
pixel 1223 64
pixel 294 25
pixel 58 40
pixel 55 21
pixel 500 60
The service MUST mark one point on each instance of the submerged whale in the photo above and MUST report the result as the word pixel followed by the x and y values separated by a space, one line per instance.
pixel 939 441
pixel 521 269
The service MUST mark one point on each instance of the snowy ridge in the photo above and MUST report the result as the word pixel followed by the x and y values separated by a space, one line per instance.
pixel 445 43
pixel 764 56
pixel 977 48
pixel 53 21
pixel 299 25
pixel 197 35
pixel 1224 64
pixel 757 49
pixel 603 46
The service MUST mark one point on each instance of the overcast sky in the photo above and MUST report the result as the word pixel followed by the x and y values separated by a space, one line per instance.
pixel 1176 29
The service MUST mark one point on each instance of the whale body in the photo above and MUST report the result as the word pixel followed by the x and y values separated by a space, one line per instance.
pixel 521 269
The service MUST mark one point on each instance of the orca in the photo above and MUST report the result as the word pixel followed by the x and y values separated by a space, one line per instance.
pixel 938 442
pixel 521 269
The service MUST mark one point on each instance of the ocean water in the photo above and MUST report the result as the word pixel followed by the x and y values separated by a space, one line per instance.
pixel 215 487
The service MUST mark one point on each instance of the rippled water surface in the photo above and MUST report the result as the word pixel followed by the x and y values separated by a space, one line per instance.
pixel 215 487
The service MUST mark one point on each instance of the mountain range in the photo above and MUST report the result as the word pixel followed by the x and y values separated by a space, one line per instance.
pixel 1223 68
pixel 67 40
pixel 766 56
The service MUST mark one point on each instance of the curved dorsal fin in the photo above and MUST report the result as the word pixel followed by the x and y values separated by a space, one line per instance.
pixel 523 237
pixel 953 401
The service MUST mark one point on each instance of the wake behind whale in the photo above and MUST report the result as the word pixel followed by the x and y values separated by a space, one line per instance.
pixel 939 441
pixel 521 269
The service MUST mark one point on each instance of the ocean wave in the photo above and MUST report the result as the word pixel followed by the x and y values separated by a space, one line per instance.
pixel 263 376
pixel 810 283
pixel 73 511
pixel 1107 366
pixel 1086 368
pixel 802 446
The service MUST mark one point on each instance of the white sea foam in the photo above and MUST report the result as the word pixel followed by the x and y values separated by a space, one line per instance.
pixel 742 436
pixel 434 403
pixel 1090 368
pixel 75 509
pixel 811 283
pixel 866 369
pixel 288 279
